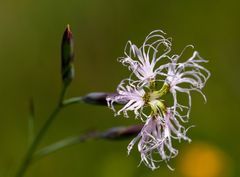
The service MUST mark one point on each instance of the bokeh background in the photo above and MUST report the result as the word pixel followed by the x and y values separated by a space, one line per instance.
pixel 30 37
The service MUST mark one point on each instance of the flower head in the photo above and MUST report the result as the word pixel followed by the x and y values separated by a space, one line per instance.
pixel 152 65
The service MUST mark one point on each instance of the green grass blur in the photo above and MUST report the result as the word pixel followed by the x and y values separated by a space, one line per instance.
pixel 30 37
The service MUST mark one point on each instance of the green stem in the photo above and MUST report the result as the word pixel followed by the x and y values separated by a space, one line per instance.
pixel 64 143
pixel 71 101
pixel 28 157
pixel 114 133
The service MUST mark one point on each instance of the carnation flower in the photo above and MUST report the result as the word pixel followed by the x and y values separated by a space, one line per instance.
pixel 152 65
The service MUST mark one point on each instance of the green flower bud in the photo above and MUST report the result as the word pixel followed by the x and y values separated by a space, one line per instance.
pixel 67 54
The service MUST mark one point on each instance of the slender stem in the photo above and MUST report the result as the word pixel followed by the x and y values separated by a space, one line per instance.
pixel 55 147
pixel 73 100
pixel 28 157
pixel 114 133
pixel 65 143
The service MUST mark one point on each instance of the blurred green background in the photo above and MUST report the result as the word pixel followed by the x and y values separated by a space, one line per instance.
pixel 30 37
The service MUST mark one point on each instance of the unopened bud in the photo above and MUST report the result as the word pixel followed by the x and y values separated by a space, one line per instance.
pixel 98 98
pixel 122 132
pixel 67 54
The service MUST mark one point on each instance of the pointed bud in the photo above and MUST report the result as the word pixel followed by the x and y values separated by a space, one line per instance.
pixel 67 54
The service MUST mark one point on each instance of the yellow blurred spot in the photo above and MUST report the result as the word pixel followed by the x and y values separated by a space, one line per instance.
pixel 203 160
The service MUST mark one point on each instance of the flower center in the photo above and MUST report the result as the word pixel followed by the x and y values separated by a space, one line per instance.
pixel 152 98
